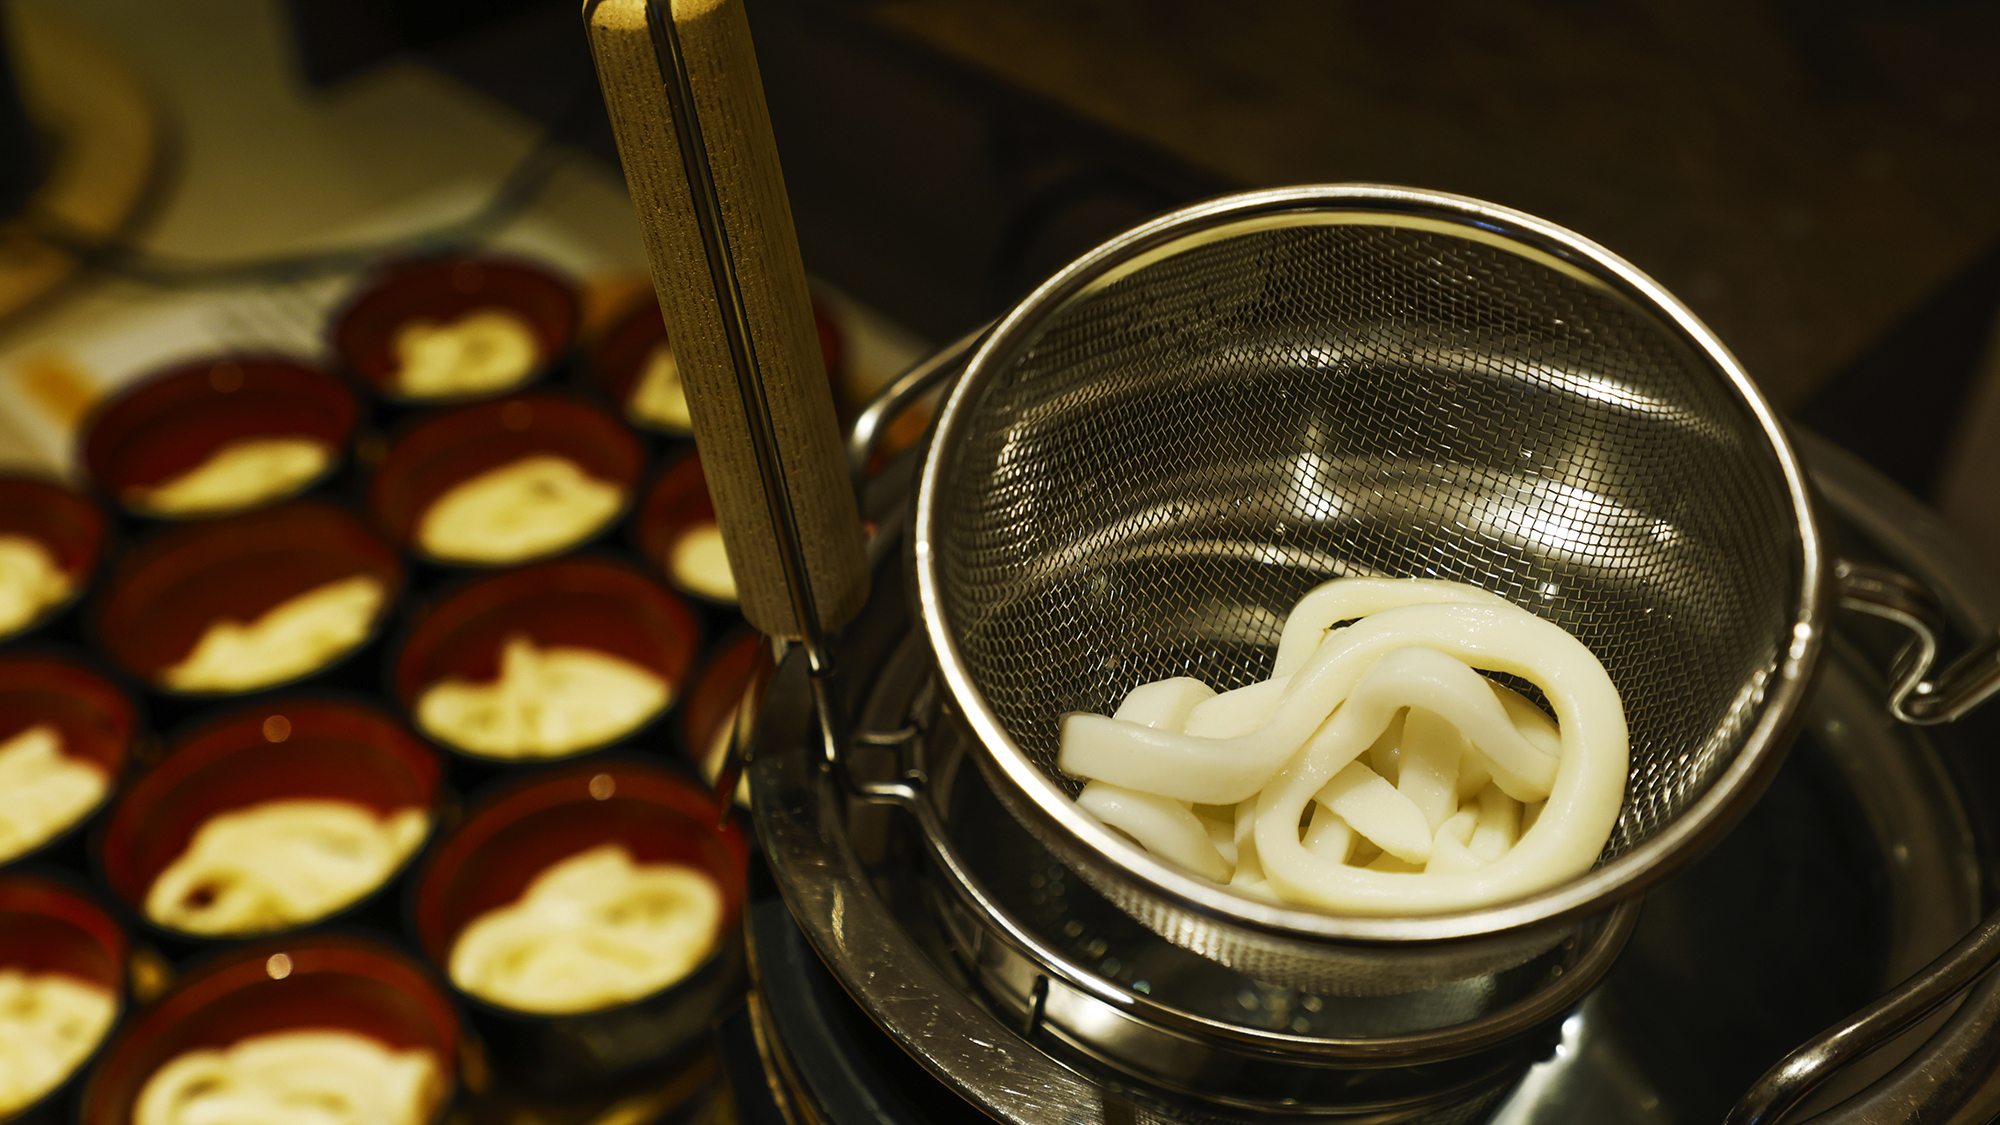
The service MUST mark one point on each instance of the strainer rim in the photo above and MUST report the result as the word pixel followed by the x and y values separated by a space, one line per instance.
pixel 1692 831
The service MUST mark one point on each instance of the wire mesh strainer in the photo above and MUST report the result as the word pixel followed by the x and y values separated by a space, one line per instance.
pixel 1161 449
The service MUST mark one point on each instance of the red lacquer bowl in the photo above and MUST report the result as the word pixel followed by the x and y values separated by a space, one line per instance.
pixel 677 503
pixel 67 525
pixel 49 926
pixel 441 452
pixel 715 696
pixel 582 602
pixel 309 982
pixel 442 290
pixel 95 719
pixel 286 749
pixel 658 815
pixel 171 422
pixel 165 596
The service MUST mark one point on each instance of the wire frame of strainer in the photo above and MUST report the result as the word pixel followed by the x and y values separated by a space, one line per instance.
pixel 1158 451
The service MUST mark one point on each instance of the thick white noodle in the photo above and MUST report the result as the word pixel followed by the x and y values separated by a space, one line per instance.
pixel 1345 599
pixel 1219 771
pixel 1227 770
pixel 1450 857
pixel 1372 807
pixel 1160 824
pixel 1473 775
pixel 1461 826
pixel 1395 691
pixel 1499 825
pixel 1384 756
pixel 1330 838
pixel 1427 765
pixel 1248 873
pixel 1235 712
pixel 1222 833
pixel 1583 802
pixel 1163 704
pixel 1536 727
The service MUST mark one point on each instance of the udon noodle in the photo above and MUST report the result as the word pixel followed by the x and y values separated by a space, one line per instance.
pixel 546 702
pixel 482 351
pixel 517 511
pixel 305 1076
pixel 593 930
pixel 49 1023
pixel 301 634
pixel 43 790
pixel 1376 771
pixel 237 475
pixel 281 863
pixel 31 580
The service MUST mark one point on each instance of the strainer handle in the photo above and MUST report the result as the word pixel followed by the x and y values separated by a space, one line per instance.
pixel 687 108
pixel 1915 696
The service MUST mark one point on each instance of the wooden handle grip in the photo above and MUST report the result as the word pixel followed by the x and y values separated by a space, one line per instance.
pixel 735 129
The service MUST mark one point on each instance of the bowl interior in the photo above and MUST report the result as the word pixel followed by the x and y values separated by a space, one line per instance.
pixel 50 927
pixel 173 421
pixel 443 290
pixel 620 356
pixel 718 692
pixel 657 815
pixel 677 501
pixel 301 748
pixel 322 982
pixel 586 603
pixel 66 523
pixel 165 597
pixel 95 719
pixel 443 451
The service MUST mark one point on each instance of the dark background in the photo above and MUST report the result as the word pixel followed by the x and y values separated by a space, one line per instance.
pixel 1820 181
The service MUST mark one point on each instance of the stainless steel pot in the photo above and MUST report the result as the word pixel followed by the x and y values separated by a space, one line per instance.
pixel 1509 309
pixel 1154 455
pixel 1006 1010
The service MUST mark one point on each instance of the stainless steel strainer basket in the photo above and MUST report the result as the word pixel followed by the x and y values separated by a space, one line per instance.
pixel 1163 447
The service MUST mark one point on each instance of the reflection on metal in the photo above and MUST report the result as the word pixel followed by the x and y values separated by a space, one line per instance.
pixel 1590 1076
pixel 919 978
pixel 902 393
pixel 1959 689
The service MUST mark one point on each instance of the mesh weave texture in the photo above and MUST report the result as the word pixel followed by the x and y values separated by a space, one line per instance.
pixel 1180 455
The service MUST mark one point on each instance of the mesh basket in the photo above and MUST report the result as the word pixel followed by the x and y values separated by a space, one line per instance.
pixel 1158 452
